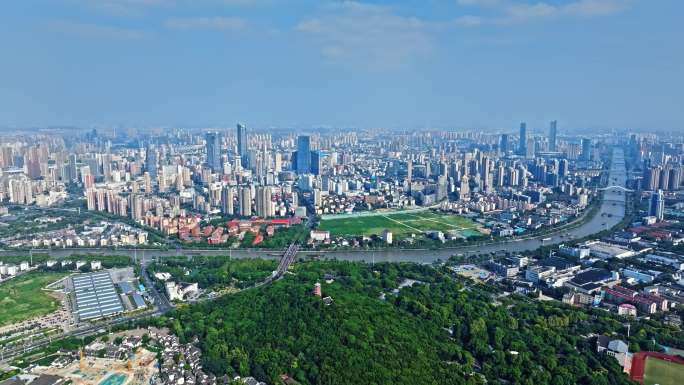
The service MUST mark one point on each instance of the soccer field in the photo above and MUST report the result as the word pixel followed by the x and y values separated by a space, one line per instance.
pixel 663 372
pixel 400 224
pixel 22 298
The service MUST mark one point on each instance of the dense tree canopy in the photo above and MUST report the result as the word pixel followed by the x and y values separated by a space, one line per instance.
pixel 217 271
pixel 440 330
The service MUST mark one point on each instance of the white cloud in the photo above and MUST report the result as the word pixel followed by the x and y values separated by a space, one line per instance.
pixel 514 11
pixel 468 20
pixel 595 7
pixel 138 7
pixel 123 7
pixel 479 2
pixel 365 32
pixel 520 11
pixel 213 23
pixel 239 2
pixel 96 30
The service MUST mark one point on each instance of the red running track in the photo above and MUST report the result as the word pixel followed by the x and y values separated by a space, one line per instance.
pixel 639 363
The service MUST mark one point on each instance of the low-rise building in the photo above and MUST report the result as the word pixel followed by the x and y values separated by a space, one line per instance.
pixel 626 237
pixel 179 292
pixel 576 252
pixel 647 303
pixel 605 250
pixel 627 309
pixel 504 268
pixel 579 299
pixel 319 235
pixel 667 259
pixel 639 275
pixel 591 280
pixel 617 349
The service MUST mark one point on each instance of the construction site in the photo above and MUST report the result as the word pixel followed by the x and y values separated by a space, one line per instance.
pixel 140 368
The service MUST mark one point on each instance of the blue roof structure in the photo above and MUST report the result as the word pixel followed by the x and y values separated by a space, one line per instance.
pixel 95 295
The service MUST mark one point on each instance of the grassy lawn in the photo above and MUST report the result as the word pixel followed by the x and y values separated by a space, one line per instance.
pixel 21 298
pixel 400 224
pixel 662 372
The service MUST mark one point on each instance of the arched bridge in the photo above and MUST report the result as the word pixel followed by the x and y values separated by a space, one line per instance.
pixel 616 187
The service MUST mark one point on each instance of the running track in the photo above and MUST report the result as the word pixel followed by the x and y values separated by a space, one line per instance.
pixel 639 363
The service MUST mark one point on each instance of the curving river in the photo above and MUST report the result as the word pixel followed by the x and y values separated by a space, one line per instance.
pixel 610 213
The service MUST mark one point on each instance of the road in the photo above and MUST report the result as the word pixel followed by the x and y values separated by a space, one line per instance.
pixel 162 305
pixel 610 213
pixel 8 354
pixel 161 302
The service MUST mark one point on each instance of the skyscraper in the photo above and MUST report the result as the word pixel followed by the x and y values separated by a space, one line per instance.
pixel 675 178
pixel 656 207
pixel 263 203
pixel 245 202
pixel 563 168
pixel 73 170
pixel 303 154
pixel 464 190
pixel 586 149
pixel 409 171
pixel 503 144
pixel 227 201
pixel 552 135
pixel 316 162
pixel 242 144
pixel 522 145
pixel 486 175
pixel 651 178
pixel 214 151
pixel 151 161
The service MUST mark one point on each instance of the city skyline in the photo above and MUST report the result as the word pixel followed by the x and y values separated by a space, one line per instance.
pixel 136 226
pixel 459 64
pixel 332 192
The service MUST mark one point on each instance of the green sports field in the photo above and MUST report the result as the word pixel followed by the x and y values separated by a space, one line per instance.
pixel 662 372
pixel 399 223
pixel 22 298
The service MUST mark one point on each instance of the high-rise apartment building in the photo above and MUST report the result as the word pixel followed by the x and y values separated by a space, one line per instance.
pixel 303 154
pixel 245 201
pixel 227 201
pixel 586 149
pixel 656 207
pixel 243 145
pixel 503 144
pixel 553 127
pixel 522 144
pixel 151 161
pixel 214 151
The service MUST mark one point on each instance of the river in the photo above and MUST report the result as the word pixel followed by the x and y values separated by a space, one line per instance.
pixel 610 213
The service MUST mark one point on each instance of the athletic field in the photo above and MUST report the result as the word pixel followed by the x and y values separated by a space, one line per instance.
pixel 652 368
pixel 22 298
pixel 663 372
pixel 401 224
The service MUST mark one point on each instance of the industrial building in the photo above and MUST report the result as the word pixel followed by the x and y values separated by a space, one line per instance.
pixel 95 296
pixel 605 250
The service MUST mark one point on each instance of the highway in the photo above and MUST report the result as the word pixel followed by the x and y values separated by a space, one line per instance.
pixel 161 302
pixel 610 213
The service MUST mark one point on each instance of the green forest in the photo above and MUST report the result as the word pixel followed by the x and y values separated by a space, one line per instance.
pixel 441 330
pixel 217 272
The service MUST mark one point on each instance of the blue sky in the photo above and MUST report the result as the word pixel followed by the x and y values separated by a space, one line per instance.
pixel 303 63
